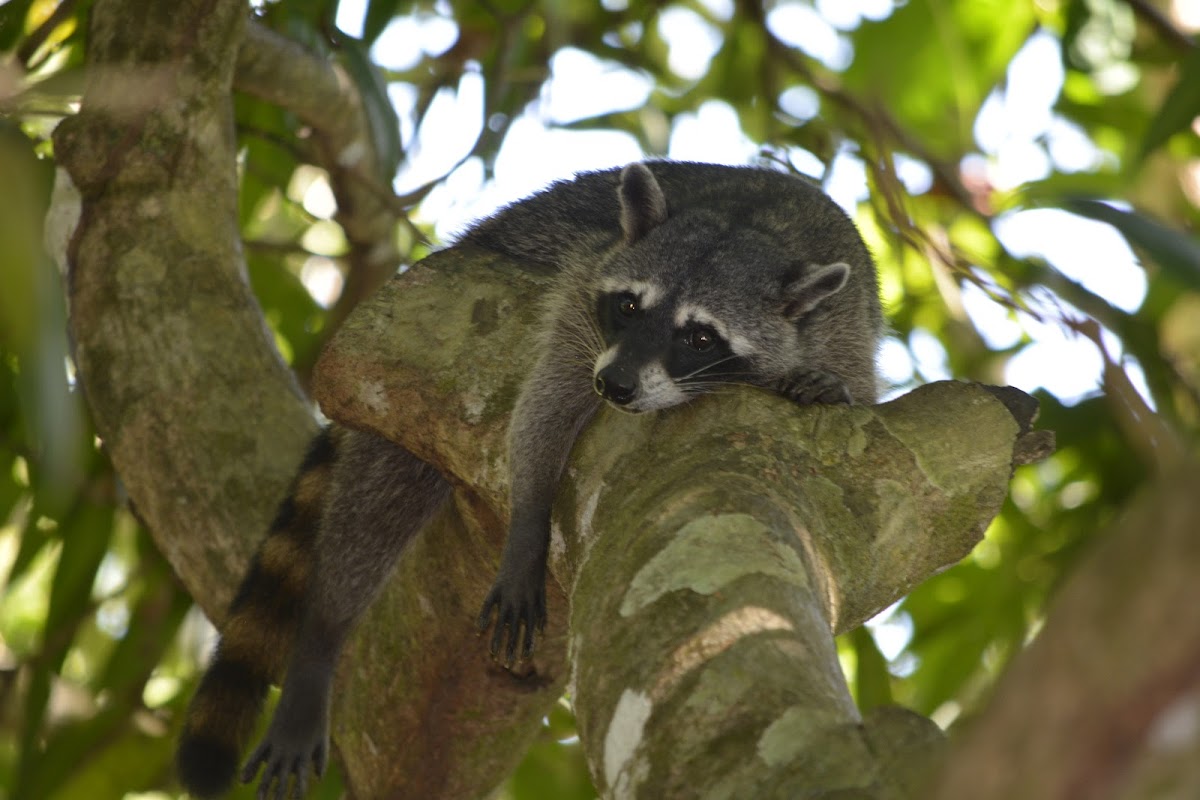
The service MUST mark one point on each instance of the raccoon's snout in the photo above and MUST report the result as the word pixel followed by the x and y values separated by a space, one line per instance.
pixel 616 385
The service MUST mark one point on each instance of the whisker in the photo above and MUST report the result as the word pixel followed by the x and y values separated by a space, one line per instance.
pixel 583 334
pixel 717 389
pixel 706 367
pixel 586 348
pixel 726 377
pixel 697 388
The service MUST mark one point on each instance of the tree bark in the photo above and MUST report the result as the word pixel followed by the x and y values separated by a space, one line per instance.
pixel 201 418
pixel 1105 704
pixel 710 552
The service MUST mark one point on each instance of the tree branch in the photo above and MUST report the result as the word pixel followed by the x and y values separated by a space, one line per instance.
pixel 273 68
pixel 1114 675
pixel 867 501
pixel 1159 21
pixel 202 420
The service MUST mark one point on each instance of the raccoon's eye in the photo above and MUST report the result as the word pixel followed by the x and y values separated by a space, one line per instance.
pixel 701 340
pixel 627 304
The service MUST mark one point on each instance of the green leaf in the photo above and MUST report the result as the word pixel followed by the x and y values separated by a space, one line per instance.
pixel 560 723
pixel 1178 110
pixel 1098 34
pixel 1176 252
pixel 932 63
pixel 739 63
pixel 32 542
pixel 12 22
pixel 85 535
pixel 551 769
pixel 126 759
pixel 153 622
pixel 267 135
pixel 1050 190
pixel 872 682
pixel 290 309
pixel 381 116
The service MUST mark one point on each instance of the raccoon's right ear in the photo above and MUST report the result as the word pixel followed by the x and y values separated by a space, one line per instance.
pixel 643 205
pixel 815 283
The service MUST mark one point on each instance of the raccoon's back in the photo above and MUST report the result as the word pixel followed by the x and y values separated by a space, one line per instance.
pixel 582 215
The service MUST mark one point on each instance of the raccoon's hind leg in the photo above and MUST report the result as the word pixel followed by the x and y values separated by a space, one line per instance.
pixel 813 386
pixel 382 495
pixel 257 632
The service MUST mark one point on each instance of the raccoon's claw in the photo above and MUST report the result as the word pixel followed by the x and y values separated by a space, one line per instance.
pixel 520 605
pixel 817 386
pixel 285 761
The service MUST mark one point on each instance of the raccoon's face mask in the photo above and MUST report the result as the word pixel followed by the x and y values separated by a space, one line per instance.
pixel 692 302
pixel 657 356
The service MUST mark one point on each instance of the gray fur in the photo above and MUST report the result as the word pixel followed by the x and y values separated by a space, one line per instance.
pixel 777 266
pixel 643 205
pixel 380 496
pixel 733 238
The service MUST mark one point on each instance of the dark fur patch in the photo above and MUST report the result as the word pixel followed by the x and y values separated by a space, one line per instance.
pixel 286 515
pixel 322 450
pixel 219 720
pixel 206 766
pixel 235 679
pixel 257 634
pixel 260 589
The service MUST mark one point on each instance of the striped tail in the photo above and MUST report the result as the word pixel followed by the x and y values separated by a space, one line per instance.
pixel 258 632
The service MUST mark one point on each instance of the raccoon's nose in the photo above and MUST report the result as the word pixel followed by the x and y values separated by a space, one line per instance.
pixel 616 387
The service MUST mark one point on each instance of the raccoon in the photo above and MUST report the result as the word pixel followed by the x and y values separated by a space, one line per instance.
pixel 686 276
pixel 671 279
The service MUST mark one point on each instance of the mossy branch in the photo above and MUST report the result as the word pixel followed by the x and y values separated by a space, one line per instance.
pixel 201 418
pixel 710 552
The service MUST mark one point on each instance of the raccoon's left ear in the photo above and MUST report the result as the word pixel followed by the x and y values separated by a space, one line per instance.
pixel 815 283
pixel 643 205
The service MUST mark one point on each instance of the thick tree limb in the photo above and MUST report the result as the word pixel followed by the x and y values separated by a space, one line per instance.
pixel 713 566
pixel 1106 701
pixel 817 518
pixel 202 420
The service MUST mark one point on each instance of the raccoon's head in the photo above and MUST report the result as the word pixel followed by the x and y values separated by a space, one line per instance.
pixel 652 359
pixel 694 301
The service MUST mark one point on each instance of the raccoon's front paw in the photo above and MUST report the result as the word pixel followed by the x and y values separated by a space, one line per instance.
pixel 814 386
pixel 286 754
pixel 519 598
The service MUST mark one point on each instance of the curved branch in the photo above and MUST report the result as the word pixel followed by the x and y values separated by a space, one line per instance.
pixel 1162 24
pixel 201 418
pixel 868 501
pixel 276 69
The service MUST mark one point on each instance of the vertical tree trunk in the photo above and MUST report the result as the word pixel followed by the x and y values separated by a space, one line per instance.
pixel 202 420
